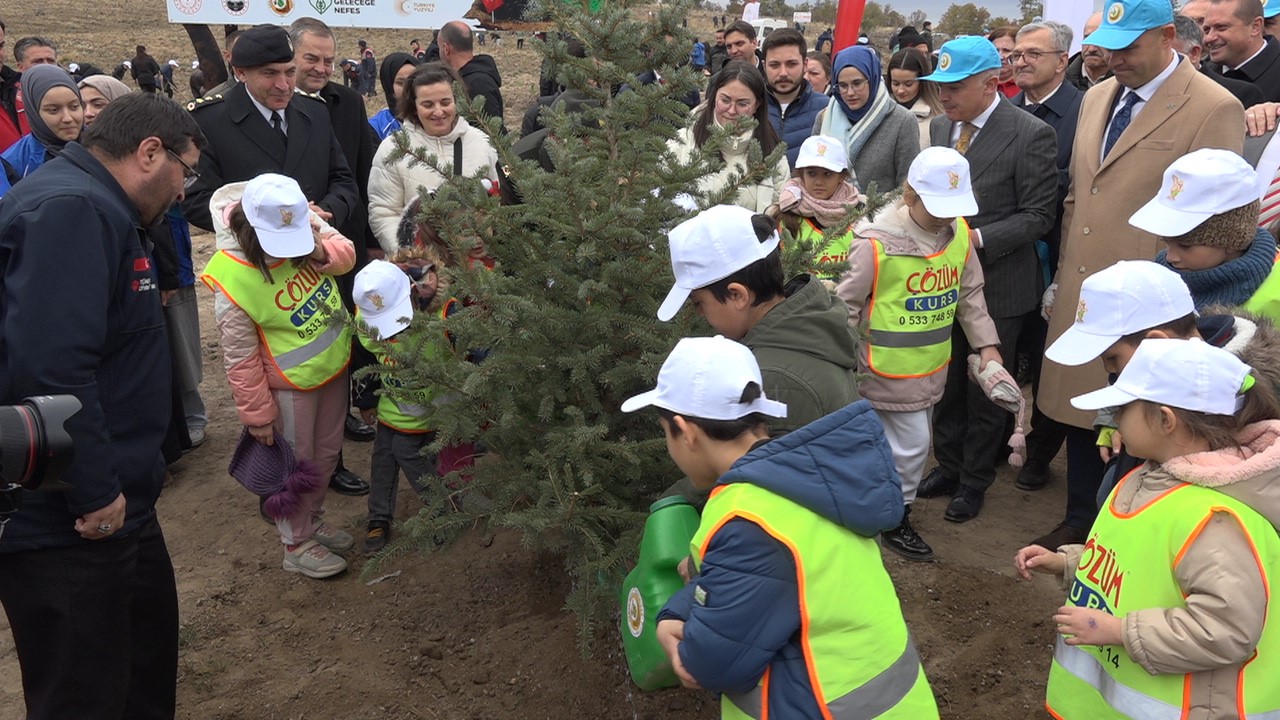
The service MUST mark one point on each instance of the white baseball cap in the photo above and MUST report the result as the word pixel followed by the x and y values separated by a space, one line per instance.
pixel 940 176
pixel 1128 297
pixel 704 378
pixel 1188 374
pixel 381 292
pixel 278 211
pixel 1196 187
pixel 711 246
pixel 823 151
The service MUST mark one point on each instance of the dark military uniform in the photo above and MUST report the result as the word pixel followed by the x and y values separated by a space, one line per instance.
pixel 243 145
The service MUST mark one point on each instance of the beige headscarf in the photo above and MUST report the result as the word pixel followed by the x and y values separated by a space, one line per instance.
pixel 111 88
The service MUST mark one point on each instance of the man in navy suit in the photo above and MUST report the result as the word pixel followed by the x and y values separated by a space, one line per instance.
pixel 1040 60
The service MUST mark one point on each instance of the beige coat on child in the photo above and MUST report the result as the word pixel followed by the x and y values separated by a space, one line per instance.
pixel 900 235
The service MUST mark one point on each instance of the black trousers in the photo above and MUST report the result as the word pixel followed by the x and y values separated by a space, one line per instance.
pixel 96 628
pixel 968 429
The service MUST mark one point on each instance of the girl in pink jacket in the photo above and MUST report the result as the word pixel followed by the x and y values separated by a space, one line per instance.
pixel 275 296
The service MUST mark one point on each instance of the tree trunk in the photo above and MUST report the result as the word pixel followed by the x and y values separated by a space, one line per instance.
pixel 209 53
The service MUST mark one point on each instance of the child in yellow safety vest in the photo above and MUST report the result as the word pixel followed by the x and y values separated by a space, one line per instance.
pixel 386 301
pixel 1169 613
pixel 1206 211
pixel 769 620
pixel 817 198
pixel 275 293
pixel 913 275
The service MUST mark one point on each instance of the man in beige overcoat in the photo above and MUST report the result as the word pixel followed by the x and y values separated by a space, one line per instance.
pixel 1157 108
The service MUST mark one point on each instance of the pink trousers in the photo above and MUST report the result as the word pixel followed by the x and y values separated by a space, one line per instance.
pixel 312 422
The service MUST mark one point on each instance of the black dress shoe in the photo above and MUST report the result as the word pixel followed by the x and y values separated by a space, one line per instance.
pixel 904 540
pixel 356 430
pixel 1064 534
pixel 965 504
pixel 345 482
pixel 937 483
pixel 1033 476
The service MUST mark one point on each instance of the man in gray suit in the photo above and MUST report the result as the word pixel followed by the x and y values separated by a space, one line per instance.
pixel 1011 157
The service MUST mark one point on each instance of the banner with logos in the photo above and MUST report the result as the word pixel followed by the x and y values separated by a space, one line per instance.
pixel 338 13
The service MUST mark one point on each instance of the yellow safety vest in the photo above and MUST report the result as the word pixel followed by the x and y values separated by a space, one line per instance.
pixel 913 308
pixel 1266 299
pixel 861 661
pixel 834 250
pixel 405 417
pixel 305 346
pixel 1128 565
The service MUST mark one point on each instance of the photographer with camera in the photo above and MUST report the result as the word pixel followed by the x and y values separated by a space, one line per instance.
pixel 85 577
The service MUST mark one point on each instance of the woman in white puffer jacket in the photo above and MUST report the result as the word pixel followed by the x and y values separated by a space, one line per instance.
pixel 431 122
pixel 737 90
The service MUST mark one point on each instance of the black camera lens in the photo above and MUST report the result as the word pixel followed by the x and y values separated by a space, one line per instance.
pixel 34 445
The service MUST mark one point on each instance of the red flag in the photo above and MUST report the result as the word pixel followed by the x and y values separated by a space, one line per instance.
pixel 491 5
pixel 848 22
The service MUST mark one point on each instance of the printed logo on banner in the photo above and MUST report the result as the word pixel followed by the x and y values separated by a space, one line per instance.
pixel 235 7
pixel 322 6
pixel 281 7
pixel 409 7
pixel 188 7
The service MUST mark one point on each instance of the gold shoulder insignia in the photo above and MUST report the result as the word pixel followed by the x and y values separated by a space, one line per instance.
pixel 304 93
pixel 204 101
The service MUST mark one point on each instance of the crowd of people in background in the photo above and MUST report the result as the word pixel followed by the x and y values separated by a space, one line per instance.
pixel 1099 227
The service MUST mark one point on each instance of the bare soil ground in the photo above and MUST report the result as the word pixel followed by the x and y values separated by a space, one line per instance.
pixel 478 630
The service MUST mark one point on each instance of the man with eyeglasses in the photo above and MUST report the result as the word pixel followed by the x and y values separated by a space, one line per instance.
pixel 1011 158
pixel 85 576
pixel 1040 60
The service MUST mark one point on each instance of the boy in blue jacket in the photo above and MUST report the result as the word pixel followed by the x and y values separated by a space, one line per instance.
pixel 789 528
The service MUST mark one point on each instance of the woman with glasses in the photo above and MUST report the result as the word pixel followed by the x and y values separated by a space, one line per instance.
pixel 735 93
pixel 880 136
pixel 906 67
pixel 56 115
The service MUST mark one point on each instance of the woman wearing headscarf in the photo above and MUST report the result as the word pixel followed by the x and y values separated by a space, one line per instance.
pixel 395 71
pixel 57 120
pixel 880 136
pixel 98 91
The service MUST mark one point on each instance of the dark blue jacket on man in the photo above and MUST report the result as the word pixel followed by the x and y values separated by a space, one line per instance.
pixel 796 124
pixel 840 467
pixel 80 315
pixel 1060 111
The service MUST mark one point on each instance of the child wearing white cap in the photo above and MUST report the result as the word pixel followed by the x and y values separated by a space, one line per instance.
pixel 1121 307
pixel 913 276
pixel 805 505
pixel 1169 603
pixel 275 289
pixel 821 194
pixel 1207 214
pixel 385 302
pixel 727 264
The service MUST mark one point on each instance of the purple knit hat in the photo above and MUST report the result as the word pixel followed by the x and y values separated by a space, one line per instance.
pixel 273 472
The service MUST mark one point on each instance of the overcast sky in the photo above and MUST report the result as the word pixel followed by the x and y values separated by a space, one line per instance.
pixel 935 8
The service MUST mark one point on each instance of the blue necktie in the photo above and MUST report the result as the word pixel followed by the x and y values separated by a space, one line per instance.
pixel 1120 121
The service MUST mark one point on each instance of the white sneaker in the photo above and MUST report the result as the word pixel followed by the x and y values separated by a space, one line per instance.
pixel 196 436
pixel 333 538
pixel 313 560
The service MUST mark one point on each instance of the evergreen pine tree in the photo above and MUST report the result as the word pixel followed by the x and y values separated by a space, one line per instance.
pixel 566 322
